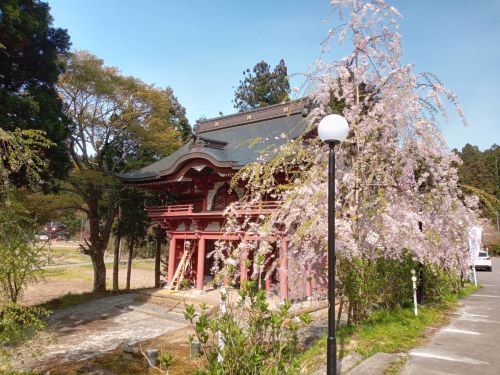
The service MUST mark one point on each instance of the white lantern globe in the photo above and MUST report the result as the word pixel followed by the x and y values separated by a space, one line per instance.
pixel 333 129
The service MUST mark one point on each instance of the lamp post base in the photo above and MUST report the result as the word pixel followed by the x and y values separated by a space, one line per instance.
pixel 331 354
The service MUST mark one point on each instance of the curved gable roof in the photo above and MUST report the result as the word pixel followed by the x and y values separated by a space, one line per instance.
pixel 232 141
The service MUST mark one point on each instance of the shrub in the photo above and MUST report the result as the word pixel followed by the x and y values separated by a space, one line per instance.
pixel 248 338
pixel 20 259
pixel 18 324
pixel 367 285
pixel 165 360
pixel 495 249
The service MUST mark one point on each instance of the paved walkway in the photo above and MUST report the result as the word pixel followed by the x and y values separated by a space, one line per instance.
pixel 84 331
pixel 470 344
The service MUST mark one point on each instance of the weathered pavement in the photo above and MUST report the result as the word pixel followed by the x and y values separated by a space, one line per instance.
pixel 470 344
pixel 93 328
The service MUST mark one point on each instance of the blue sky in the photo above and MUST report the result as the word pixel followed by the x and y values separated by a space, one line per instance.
pixel 200 48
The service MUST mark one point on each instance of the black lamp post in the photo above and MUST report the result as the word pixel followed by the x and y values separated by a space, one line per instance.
pixel 332 129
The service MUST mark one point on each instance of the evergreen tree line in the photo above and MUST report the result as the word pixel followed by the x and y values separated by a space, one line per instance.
pixel 480 174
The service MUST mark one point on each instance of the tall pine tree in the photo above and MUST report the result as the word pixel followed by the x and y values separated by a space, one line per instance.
pixel 262 87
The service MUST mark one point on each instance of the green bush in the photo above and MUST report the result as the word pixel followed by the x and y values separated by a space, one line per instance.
pixel 495 249
pixel 20 258
pixel 369 285
pixel 165 360
pixel 256 339
pixel 19 323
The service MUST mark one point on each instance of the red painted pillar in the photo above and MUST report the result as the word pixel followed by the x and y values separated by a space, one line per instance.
pixel 200 269
pixel 171 259
pixel 243 264
pixel 268 284
pixel 283 270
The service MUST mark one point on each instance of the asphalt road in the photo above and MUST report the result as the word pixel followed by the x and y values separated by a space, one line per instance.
pixel 470 344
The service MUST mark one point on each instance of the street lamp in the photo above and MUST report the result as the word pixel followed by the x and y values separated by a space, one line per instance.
pixel 332 129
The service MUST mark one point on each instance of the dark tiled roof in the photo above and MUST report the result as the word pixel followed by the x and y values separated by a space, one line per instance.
pixel 232 141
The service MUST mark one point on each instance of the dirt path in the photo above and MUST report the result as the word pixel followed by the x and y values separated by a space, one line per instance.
pixel 49 288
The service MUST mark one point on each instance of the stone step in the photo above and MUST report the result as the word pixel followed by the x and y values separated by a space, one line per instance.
pixel 164 302
pixel 173 301
pixel 177 306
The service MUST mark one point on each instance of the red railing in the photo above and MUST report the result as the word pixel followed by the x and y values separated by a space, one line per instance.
pixel 172 209
pixel 179 210
pixel 257 208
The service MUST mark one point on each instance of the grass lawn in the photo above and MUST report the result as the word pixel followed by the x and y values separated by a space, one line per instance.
pixel 68 273
pixel 386 331
pixel 79 279
pixel 143 264
pixel 67 255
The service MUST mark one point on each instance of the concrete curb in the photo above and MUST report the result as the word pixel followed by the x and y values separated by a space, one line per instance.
pixel 344 365
pixel 375 365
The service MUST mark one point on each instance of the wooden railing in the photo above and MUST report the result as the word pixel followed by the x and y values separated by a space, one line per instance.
pixel 172 209
pixel 177 210
pixel 259 207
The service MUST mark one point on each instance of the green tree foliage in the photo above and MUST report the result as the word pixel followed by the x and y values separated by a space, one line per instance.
pixel 262 87
pixel 50 207
pixel 20 259
pixel 116 120
pixel 20 262
pixel 480 173
pixel 492 161
pixel 478 168
pixel 17 324
pixel 30 120
pixel 29 70
pixel 21 153
pixel 132 222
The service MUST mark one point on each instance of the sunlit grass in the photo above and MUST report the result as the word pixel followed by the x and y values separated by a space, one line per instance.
pixel 143 265
pixel 67 273
pixel 65 255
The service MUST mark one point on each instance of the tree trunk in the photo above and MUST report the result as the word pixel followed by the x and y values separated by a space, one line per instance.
pixel 116 253
pixel 99 234
pixel 99 271
pixel 131 244
pixel 116 261
pixel 159 240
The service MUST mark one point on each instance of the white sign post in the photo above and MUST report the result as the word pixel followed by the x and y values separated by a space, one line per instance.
pixel 474 247
pixel 414 281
